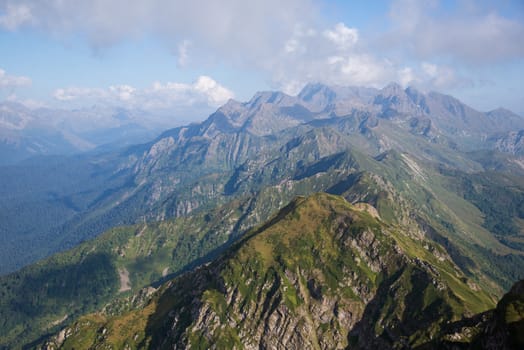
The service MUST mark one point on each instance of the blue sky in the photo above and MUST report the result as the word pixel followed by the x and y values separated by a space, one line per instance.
pixel 160 54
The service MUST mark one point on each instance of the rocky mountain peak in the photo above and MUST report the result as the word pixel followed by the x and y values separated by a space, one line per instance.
pixel 231 106
pixel 394 101
pixel 505 117
pixel 269 97
pixel 312 89
pixel 317 96
pixel 392 89
pixel 418 98
pixel 341 100
pixel 501 110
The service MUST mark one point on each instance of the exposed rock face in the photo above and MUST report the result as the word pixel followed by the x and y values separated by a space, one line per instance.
pixel 512 142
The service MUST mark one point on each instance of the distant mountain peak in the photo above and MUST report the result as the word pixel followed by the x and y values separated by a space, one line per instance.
pixel 500 109
pixel 313 89
pixel 334 92
pixel 230 105
pixel 262 97
pixel 392 88
pixel 504 113
pixel 317 97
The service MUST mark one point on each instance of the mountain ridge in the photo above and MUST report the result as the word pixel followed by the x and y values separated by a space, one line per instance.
pixel 296 292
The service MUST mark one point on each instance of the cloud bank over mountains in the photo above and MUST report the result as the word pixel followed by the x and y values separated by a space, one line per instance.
pixel 289 42
pixel 204 91
pixel 8 81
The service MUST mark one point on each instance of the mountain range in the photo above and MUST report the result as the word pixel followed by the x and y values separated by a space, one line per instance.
pixel 340 217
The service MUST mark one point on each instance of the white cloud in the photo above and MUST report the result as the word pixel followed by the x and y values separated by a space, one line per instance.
pixel 203 92
pixel 216 94
pixel 430 69
pixel 15 15
pixel 337 55
pixel 11 81
pixel 291 46
pixel 441 77
pixel 333 56
pixel 468 35
pixel 183 53
pixel 74 93
pixel 238 31
pixel 122 92
pixel 343 37
pixel 362 69
pixel 406 76
pixel 426 46
pixel 430 76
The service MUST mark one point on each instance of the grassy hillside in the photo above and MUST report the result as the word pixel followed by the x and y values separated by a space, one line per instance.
pixel 40 297
pixel 320 274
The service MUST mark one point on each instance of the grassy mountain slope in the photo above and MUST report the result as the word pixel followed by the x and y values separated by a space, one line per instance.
pixel 321 274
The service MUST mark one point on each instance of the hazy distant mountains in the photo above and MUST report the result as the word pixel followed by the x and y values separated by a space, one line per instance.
pixel 439 117
pixel 26 132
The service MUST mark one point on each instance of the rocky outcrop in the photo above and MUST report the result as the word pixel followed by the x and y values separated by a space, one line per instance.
pixel 512 143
